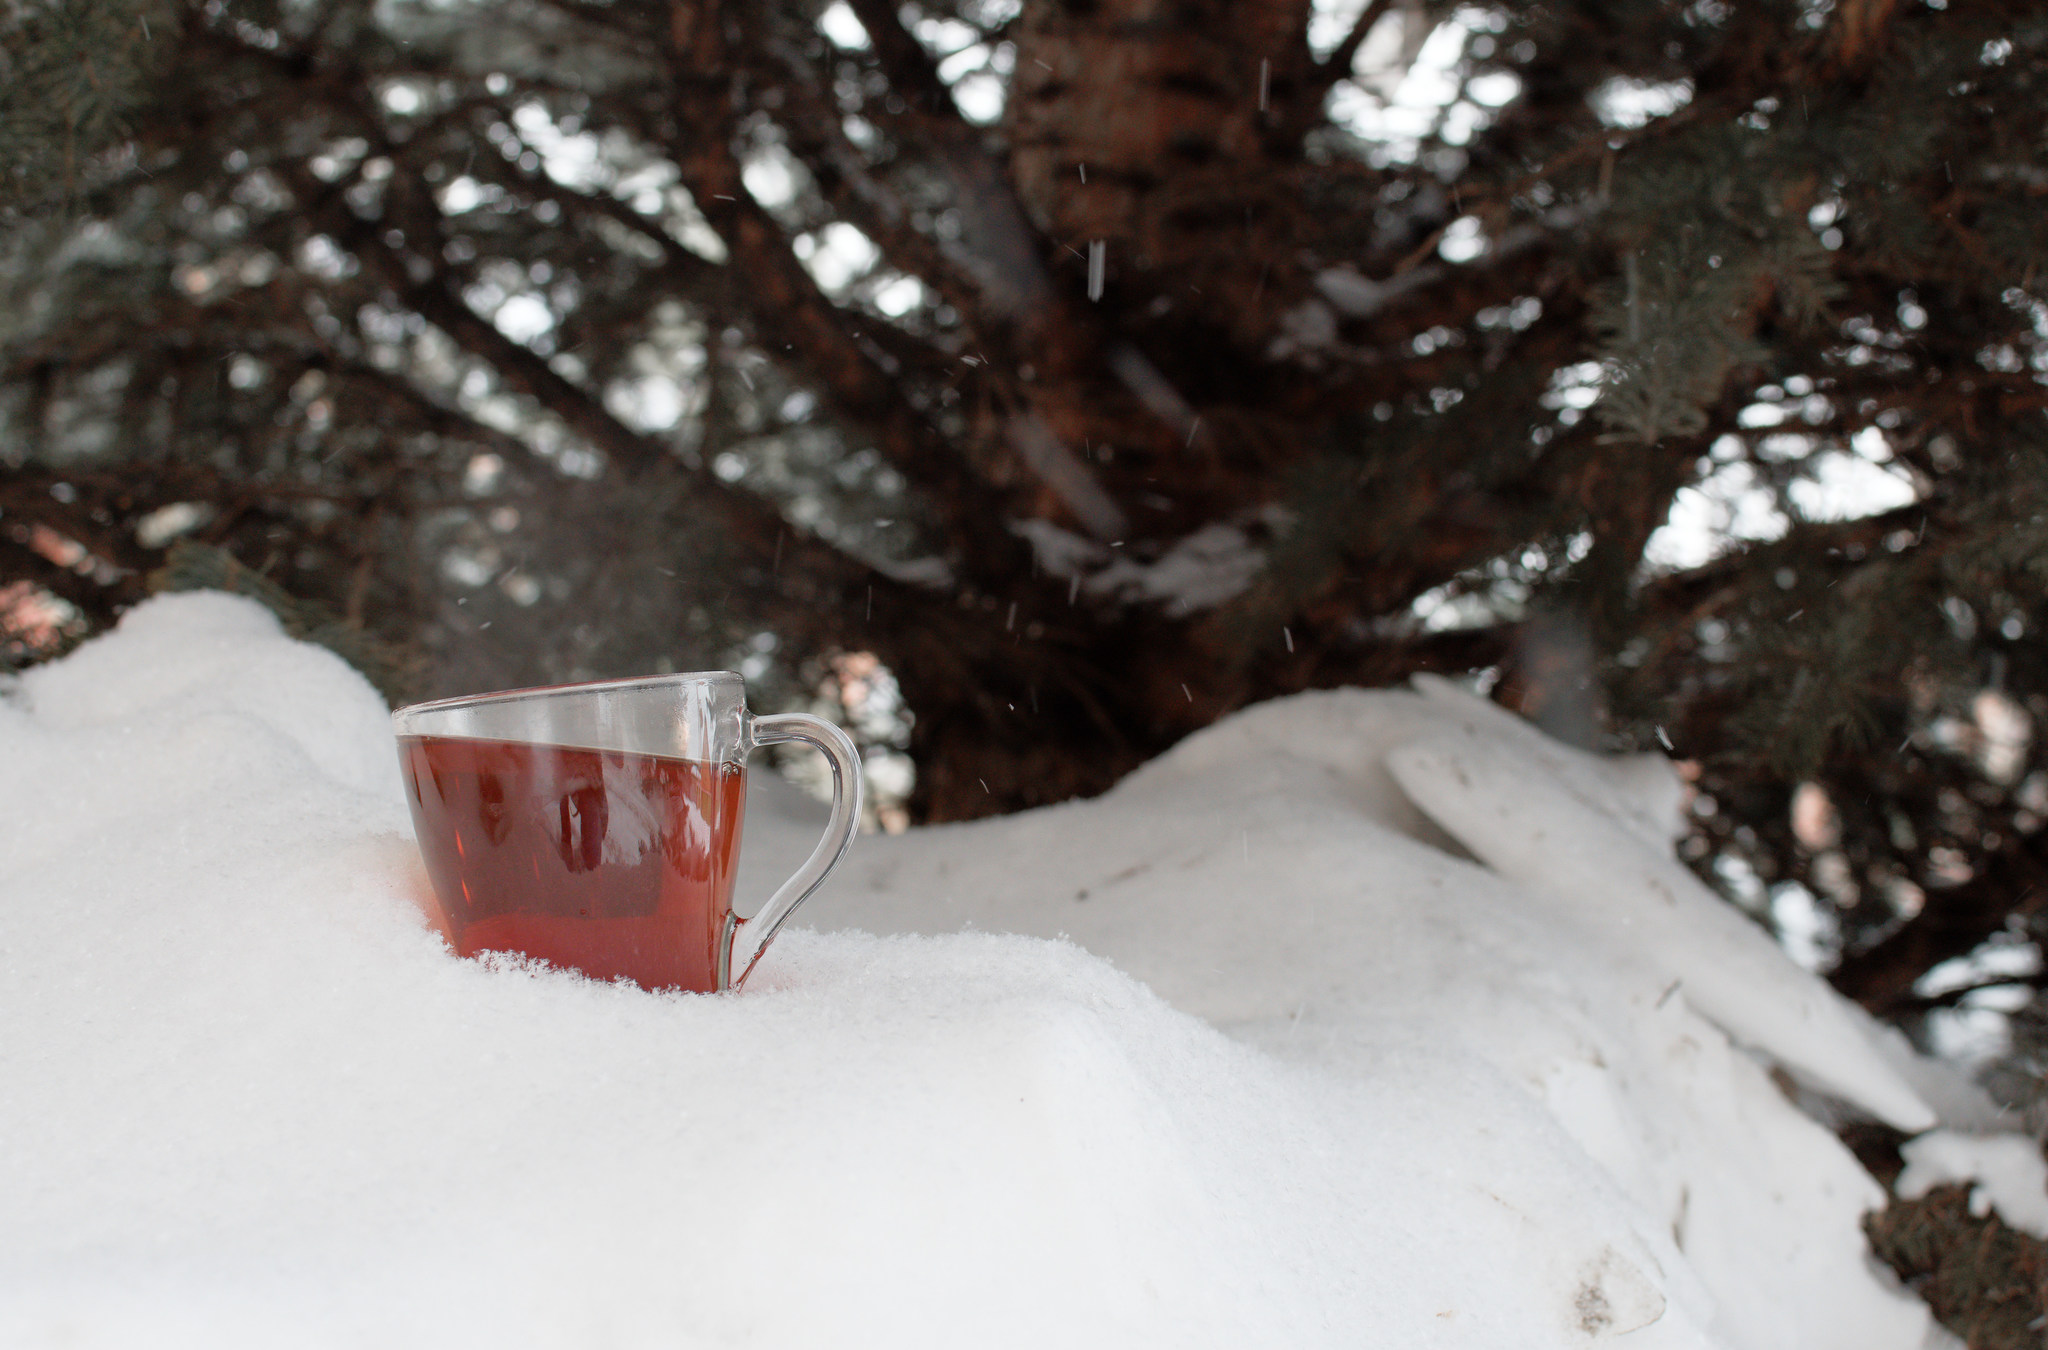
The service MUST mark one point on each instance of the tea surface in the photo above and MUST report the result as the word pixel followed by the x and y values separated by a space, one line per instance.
pixel 609 863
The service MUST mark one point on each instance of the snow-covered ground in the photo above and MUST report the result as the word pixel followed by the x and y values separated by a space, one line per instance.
pixel 1361 1019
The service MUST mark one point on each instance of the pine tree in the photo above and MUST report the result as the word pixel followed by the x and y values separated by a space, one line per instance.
pixel 1099 365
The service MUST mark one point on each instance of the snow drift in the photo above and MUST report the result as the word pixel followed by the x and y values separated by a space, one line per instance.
pixel 1250 1051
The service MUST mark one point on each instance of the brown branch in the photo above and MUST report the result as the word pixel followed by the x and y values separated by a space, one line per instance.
pixel 524 369
pixel 912 72
pixel 756 525
pixel 817 135
pixel 1014 315
pixel 1955 997
pixel 683 272
pixel 1338 66
pixel 1316 79
pixel 746 517
pixel 812 587
pixel 1014 281
pixel 1954 922
pixel 753 521
pixel 788 309
pixel 816 588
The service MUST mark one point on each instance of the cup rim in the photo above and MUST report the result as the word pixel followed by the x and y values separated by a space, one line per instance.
pixel 569 690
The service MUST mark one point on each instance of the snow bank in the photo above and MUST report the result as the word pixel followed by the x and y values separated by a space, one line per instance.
pixel 1271 876
pixel 1587 862
pixel 1303 1074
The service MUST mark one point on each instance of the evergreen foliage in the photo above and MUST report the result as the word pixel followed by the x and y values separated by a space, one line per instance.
pixel 72 72
pixel 1987 1282
pixel 192 566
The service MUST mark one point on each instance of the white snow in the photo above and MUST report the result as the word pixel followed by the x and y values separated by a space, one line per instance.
pixel 1200 571
pixel 2005 1172
pixel 1247 1052
pixel 1478 788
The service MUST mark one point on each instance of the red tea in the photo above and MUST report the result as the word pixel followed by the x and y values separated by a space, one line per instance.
pixel 610 863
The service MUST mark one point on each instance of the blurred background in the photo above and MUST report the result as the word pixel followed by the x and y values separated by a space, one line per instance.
pixel 1029 383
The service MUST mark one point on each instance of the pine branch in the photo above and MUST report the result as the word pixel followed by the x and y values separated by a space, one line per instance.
pixel 1316 79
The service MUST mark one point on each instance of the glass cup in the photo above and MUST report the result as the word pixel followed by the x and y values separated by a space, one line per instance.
pixel 597 826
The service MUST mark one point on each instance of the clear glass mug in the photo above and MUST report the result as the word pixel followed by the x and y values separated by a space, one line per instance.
pixel 597 826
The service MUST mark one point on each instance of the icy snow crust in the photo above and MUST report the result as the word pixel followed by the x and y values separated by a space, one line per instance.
pixel 1301 1073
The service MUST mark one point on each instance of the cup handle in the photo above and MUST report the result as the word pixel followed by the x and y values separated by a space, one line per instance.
pixel 746 940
